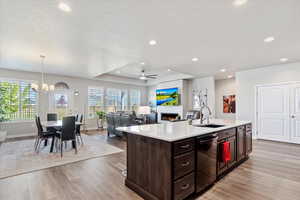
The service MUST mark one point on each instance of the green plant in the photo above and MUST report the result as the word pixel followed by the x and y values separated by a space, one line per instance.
pixel 2 114
pixel 2 118
pixel 101 114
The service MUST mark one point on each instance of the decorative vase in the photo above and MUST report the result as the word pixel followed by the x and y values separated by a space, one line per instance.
pixel 100 123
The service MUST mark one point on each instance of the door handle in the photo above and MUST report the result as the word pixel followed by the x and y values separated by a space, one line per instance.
pixel 185 146
pixel 184 187
pixel 185 164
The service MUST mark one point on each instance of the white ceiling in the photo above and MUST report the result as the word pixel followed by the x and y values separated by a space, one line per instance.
pixel 101 36
pixel 134 70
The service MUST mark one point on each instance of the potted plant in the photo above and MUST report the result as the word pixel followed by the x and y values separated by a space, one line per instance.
pixel 101 118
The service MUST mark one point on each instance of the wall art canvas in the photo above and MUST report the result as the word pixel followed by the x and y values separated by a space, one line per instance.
pixel 167 97
pixel 229 104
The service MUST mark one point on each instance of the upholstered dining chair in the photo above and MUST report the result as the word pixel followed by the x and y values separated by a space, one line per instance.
pixel 51 117
pixel 43 135
pixel 68 133
pixel 78 133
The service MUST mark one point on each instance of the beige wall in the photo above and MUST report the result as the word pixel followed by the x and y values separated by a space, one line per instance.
pixel 248 80
pixel 80 102
pixel 183 91
pixel 202 84
pixel 224 87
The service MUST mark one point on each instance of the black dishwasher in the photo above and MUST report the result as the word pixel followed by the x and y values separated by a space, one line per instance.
pixel 206 161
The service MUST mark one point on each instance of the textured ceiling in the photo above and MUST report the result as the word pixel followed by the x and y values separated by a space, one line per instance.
pixel 101 36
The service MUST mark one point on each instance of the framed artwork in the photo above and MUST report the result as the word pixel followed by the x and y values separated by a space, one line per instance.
pixel 229 104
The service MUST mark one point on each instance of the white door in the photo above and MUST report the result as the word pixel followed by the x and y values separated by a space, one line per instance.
pixel 295 113
pixel 273 119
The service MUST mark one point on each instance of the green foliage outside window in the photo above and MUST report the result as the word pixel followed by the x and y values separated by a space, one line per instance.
pixel 15 101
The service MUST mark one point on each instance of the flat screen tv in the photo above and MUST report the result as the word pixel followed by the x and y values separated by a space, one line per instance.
pixel 167 97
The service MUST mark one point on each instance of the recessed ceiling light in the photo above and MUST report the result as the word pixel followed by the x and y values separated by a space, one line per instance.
pixel 118 72
pixel 223 70
pixel 239 2
pixel 229 76
pixel 195 59
pixel 152 42
pixel 64 7
pixel 169 70
pixel 269 39
pixel 143 78
pixel 283 59
pixel 142 63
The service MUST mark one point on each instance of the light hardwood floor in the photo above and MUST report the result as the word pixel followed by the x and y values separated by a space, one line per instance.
pixel 272 172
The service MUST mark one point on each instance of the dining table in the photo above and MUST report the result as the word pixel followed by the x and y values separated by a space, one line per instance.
pixel 57 125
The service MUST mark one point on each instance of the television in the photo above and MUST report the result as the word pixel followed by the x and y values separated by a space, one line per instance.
pixel 167 97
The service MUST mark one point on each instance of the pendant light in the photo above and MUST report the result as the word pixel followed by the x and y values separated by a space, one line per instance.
pixel 44 87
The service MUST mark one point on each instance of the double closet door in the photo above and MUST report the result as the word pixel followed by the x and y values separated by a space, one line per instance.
pixel 278 112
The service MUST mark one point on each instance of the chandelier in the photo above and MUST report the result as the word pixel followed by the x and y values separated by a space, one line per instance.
pixel 44 87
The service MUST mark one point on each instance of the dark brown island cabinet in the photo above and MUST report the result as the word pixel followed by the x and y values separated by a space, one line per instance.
pixel 162 170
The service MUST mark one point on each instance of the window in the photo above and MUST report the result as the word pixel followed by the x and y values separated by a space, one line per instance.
pixel 95 101
pixel 116 100
pixel 17 100
pixel 124 100
pixel 135 98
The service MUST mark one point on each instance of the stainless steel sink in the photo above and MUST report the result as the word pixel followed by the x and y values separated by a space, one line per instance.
pixel 209 125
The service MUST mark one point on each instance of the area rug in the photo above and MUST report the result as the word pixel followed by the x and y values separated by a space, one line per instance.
pixel 18 157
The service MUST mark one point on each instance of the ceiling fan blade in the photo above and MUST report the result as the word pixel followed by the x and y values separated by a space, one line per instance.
pixel 152 74
pixel 152 77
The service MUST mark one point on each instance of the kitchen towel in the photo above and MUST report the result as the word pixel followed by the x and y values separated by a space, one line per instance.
pixel 226 152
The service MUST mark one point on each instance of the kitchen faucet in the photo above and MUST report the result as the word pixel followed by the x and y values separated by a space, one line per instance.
pixel 201 100
pixel 204 106
pixel 202 118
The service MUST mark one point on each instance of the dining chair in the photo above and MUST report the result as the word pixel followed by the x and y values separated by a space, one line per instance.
pixel 68 133
pixel 51 117
pixel 76 117
pixel 78 133
pixel 43 135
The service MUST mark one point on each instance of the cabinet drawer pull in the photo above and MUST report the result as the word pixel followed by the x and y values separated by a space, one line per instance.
pixel 184 187
pixel 185 146
pixel 185 164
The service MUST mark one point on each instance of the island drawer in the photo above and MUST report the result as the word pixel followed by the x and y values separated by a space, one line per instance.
pixel 183 146
pixel 184 164
pixel 226 133
pixel 184 187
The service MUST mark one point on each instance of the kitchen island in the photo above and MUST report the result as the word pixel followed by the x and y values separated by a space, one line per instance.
pixel 175 160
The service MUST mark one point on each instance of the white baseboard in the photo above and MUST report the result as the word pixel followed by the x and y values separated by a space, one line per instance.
pixel 21 135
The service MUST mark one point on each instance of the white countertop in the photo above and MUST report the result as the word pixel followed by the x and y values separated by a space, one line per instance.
pixel 173 131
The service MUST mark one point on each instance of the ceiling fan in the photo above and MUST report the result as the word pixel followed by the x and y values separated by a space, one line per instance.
pixel 144 76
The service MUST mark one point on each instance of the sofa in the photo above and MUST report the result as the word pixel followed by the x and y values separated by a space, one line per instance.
pixel 121 119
